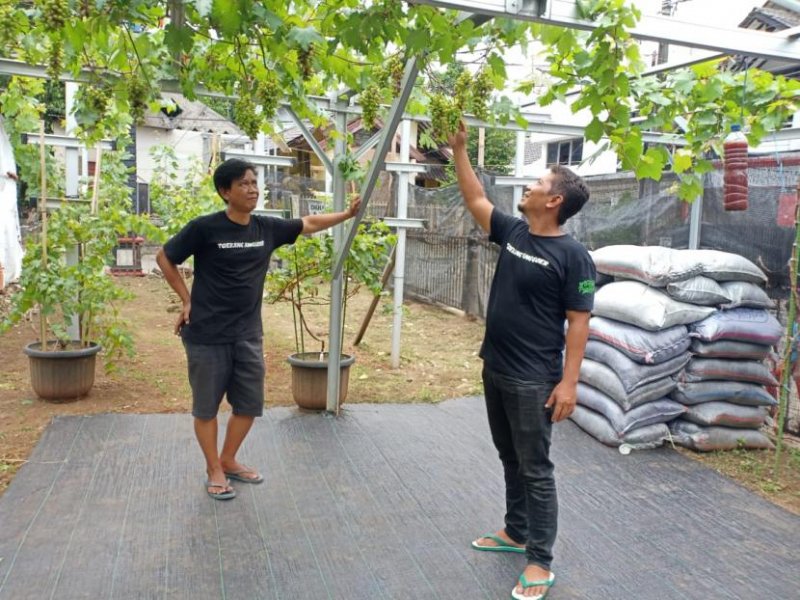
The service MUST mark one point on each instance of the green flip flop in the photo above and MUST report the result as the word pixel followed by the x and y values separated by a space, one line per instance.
pixel 548 583
pixel 502 545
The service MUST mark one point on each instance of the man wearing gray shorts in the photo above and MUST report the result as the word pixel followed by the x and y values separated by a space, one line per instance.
pixel 220 322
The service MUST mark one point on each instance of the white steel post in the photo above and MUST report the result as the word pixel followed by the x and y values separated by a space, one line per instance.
pixel 519 165
pixel 400 253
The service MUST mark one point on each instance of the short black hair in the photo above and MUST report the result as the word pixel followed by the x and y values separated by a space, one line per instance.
pixel 572 188
pixel 229 171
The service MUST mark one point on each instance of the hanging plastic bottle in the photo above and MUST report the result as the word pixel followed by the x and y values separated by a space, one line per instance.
pixel 735 170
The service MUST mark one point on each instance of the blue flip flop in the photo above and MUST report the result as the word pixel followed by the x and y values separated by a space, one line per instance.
pixel 229 495
pixel 502 545
pixel 548 583
pixel 240 475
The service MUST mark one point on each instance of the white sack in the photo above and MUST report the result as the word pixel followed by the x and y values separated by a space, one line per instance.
pixel 10 235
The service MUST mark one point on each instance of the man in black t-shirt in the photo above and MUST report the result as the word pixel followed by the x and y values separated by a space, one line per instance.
pixel 220 322
pixel 543 278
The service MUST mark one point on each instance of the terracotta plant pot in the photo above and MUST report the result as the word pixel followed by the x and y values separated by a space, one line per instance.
pixel 62 375
pixel 310 379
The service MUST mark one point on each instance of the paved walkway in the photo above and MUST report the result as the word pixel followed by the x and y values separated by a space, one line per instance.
pixel 380 503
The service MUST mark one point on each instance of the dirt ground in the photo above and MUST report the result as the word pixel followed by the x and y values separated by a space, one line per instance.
pixel 439 360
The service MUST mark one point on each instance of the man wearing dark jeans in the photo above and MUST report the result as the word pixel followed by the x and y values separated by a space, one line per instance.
pixel 543 278
pixel 220 322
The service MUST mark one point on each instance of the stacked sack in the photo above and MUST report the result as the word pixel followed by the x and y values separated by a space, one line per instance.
pixel 656 350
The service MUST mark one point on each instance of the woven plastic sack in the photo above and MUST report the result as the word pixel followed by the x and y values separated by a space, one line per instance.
pixel 725 266
pixel 707 439
pixel 752 325
pixel 602 378
pixel 729 349
pixel 649 413
pixel 637 304
pixel 698 290
pixel 596 425
pixel 640 345
pixel 745 394
pixel 746 294
pixel 631 374
pixel 726 414
pixel 726 369
pixel 653 265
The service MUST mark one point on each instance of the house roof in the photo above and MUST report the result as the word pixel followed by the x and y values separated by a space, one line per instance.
pixel 191 116
pixel 768 18
pixel 771 17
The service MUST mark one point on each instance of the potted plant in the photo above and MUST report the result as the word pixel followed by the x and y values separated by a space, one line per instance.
pixel 302 278
pixel 78 294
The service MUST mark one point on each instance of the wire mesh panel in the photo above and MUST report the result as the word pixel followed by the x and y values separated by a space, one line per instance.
pixel 435 267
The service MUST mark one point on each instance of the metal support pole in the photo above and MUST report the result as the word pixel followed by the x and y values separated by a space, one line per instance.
pixel 519 166
pixel 695 223
pixel 337 281
pixel 400 256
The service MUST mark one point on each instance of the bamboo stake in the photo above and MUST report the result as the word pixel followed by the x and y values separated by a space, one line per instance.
pixel 387 273
pixel 43 236
pixel 791 316
pixel 96 185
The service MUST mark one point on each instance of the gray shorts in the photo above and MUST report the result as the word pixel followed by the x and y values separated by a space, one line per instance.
pixel 235 369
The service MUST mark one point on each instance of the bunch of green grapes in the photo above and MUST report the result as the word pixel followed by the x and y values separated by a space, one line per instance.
pixel 445 116
pixel 305 60
pixel 463 91
pixel 55 58
pixel 370 101
pixel 138 95
pixel 54 13
pixel 94 98
pixel 395 69
pixel 245 115
pixel 268 94
pixel 481 93
pixel 7 28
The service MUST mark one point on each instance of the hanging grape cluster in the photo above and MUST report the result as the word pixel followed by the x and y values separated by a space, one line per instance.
pixel 245 114
pixel 7 28
pixel 445 116
pixel 305 60
pixel 395 69
pixel 268 94
pixel 54 13
pixel 481 93
pixel 138 95
pixel 55 58
pixel 370 101
pixel 94 99
pixel 470 94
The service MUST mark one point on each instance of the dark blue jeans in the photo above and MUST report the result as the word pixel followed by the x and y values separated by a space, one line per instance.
pixel 521 427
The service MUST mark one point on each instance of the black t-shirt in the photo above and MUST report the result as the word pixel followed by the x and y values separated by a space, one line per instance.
pixel 230 263
pixel 537 280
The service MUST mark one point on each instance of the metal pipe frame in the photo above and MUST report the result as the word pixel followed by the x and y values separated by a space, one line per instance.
pixel 312 141
pixel 564 13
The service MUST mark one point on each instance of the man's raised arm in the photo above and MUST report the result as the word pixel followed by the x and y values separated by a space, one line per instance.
pixel 471 189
